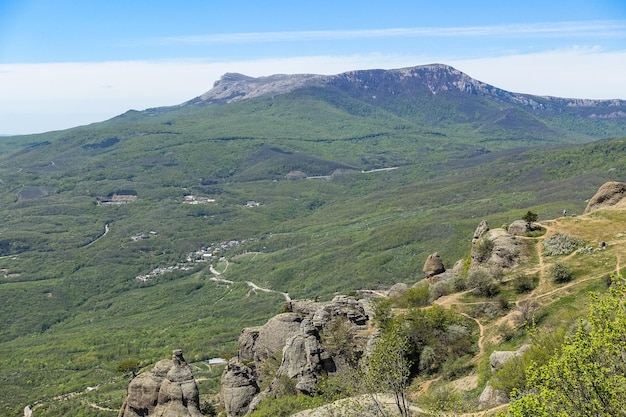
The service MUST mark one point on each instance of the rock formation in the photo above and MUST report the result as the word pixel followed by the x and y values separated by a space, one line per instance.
pixel 491 397
pixel 167 390
pixel 433 265
pixel 311 339
pixel 482 228
pixel 397 290
pixel 496 248
pixel 609 194
pixel 519 228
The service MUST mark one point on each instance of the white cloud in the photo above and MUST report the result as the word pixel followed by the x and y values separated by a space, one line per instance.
pixel 582 29
pixel 43 97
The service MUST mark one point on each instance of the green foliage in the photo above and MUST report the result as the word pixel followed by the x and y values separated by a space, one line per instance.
pixel 72 308
pixel 286 405
pixel 482 249
pixel 524 283
pixel 511 376
pixel 588 375
pixel 443 399
pixel 129 366
pixel 439 289
pixel 530 217
pixel 483 283
pixel 416 296
pixel 560 273
pixel 561 244
pixel 389 368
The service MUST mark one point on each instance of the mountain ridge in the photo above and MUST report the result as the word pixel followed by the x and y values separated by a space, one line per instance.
pixel 232 87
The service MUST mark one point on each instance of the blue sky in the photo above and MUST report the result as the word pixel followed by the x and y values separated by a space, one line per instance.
pixel 64 63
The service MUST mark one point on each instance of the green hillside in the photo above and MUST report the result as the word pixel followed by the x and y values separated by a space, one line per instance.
pixel 387 186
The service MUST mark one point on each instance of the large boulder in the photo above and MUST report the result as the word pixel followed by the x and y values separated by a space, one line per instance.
pixel 491 398
pixel 397 290
pixel 482 227
pixel 433 265
pixel 299 338
pixel 496 248
pixel 167 390
pixel 609 194
pixel 519 228
pixel 239 388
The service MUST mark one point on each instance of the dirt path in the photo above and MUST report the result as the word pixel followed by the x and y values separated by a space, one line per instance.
pixel 106 232
pixel 253 287
pixel 481 338
pixel 100 408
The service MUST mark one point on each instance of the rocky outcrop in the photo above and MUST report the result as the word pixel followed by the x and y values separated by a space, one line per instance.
pixel 311 339
pixel 496 248
pixel 239 387
pixel 519 228
pixel 482 228
pixel 609 194
pixel 433 265
pixel 397 290
pixel 167 390
pixel 491 397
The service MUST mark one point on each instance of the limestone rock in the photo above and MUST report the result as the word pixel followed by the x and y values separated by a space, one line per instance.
pixel 482 228
pixel 168 390
pixel 500 357
pixel 433 265
pixel 239 387
pixel 504 253
pixel 300 336
pixel 519 228
pixel 491 397
pixel 397 290
pixel 609 194
pixel 267 341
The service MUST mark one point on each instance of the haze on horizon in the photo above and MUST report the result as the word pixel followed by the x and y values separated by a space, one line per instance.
pixel 71 62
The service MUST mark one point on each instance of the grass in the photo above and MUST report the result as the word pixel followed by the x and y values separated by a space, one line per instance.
pixel 72 312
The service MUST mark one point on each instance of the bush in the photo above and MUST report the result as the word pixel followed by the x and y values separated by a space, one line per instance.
pixel 481 280
pixel 561 244
pixel 416 296
pixel 483 249
pixel 561 273
pixel 530 217
pixel 439 289
pixel 524 283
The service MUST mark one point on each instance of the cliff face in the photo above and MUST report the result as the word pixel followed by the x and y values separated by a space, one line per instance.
pixel 167 390
pixel 310 340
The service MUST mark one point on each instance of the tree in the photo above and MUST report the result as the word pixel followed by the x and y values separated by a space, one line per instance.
pixel 388 368
pixel 129 366
pixel 530 217
pixel 561 273
pixel 588 376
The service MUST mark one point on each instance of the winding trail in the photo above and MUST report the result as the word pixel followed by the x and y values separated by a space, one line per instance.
pixel 252 285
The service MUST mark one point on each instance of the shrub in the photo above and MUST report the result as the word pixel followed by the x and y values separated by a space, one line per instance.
pixel 483 249
pixel 481 280
pixel 524 283
pixel 561 273
pixel 416 296
pixel 561 244
pixel 439 289
pixel 530 217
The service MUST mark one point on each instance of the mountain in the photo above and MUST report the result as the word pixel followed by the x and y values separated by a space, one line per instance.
pixel 305 185
pixel 413 93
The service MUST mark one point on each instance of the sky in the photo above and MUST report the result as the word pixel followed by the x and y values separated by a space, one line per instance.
pixel 65 63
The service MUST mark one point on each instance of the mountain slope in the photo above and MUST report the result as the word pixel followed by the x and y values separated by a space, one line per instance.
pixel 405 174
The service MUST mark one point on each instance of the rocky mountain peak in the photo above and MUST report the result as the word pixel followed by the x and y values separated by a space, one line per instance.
pixel 378 84
pixel 233 87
